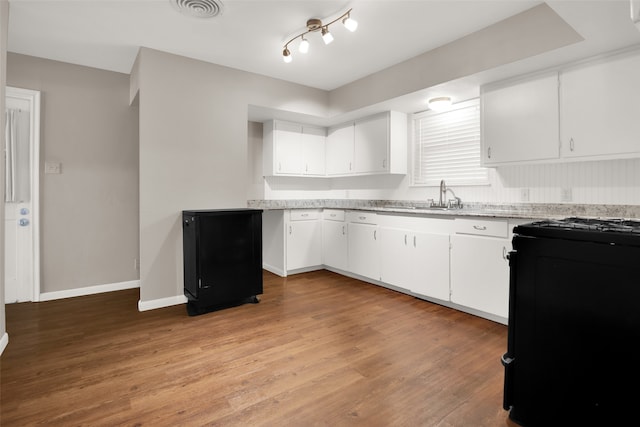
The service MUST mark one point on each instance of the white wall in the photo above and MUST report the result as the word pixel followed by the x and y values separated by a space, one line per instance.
pixel 193 152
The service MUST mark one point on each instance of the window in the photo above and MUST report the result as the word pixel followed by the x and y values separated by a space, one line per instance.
pixel 446 145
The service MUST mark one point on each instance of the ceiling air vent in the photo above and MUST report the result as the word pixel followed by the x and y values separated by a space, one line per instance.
pixel 199 8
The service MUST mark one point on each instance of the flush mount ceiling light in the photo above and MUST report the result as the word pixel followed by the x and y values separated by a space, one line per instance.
pixel 315 25
pixel 198 8
pixel 440 103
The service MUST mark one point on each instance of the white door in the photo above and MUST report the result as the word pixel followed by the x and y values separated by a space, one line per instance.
pixel 363 249
pixel 371 142
pixel 288 142
pixel 21 196
pixel 334 244
pixel 304 244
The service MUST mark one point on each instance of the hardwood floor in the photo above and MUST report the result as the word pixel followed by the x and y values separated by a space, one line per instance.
pixel 319 349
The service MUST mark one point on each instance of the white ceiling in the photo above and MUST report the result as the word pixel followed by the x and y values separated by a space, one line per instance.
pixel 249 35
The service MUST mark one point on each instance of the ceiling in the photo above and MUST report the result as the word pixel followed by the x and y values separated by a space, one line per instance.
pixel 249 35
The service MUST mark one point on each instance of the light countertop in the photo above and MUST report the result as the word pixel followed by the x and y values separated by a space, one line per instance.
pixel 516 210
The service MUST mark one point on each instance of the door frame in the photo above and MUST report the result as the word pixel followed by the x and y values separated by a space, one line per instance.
pixel 33 98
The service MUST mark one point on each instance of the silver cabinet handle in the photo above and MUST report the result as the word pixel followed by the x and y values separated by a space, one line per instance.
pixel 290 229
pixel 375 234
pixel 362 218
pixel 332 215
pixel 343 231
pixel 279 166
pixel 349 165
pixel 414 241
pixel 489 152
pixel 304 214
pixel 480 227
pixel 23 222
pixel 405 240
pixel 505 255
pixel 384 164
pixel 572 145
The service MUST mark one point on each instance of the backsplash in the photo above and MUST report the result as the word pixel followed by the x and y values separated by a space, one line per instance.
pixel 596 182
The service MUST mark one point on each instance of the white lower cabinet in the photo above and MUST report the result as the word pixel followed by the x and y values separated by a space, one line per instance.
pixel 479 266
pixel 416 261
pixel 303 237
pixel 334 239
pixel 364 250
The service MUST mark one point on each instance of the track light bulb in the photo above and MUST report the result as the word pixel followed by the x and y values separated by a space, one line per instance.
pixel 304 46
pixel 326 35
pixel 350 23
pixel 286 55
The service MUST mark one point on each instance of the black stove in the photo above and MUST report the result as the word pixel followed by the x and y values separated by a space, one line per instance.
pixel 574 317
pixel 612 231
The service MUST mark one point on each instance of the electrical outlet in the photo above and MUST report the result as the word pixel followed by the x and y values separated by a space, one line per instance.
pixel 52 167
pixel 566 195
pixel 524 194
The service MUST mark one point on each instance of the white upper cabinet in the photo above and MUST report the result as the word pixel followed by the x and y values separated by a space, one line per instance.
pixel 372 145
pixel 339 150
pixel 293 149
pixel 520 121
pixel 287 148
pixel 380 144
pixel 588 111
pixel 600 108
pixel 371 142
pixel 313 143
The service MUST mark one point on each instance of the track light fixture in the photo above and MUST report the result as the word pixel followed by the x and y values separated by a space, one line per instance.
pixel 314 25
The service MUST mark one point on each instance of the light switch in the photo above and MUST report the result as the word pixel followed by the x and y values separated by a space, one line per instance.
pixel 52 167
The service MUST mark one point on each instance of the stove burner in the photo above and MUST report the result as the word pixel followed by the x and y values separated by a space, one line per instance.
pixel 592 224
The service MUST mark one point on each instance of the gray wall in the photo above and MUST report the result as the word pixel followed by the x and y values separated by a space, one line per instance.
pixel 193 150
pixel 89 212
pixel 4 26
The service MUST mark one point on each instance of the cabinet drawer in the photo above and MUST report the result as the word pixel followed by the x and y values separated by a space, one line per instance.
pixel 482 227
pixel 362 217
pixel 304 215
pixel 333 214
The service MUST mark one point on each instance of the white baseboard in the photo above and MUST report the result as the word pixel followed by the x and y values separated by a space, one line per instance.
pixel 161 303
pixel 3 342
pixel 277 271
pixel 89 290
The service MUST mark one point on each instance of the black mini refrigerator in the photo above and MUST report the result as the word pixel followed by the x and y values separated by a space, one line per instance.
pixel 574 323
pixel 222 258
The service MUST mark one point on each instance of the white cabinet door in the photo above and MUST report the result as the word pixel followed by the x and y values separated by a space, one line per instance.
pixel 313 150
pixel 416 261
pixel 371 142
pixel 339 151
pixel 430 257
pixel 288 149
pixel 364 258
pixel 334 244
pixel 600 113
pixel 395 257
pixel 304 244
pixel 480 273
pixel 520 121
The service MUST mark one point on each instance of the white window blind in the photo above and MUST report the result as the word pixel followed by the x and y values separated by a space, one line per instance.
pixel 446 145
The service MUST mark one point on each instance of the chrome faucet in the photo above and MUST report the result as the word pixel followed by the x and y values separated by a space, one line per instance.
pixel 443 194
pixel 456 202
